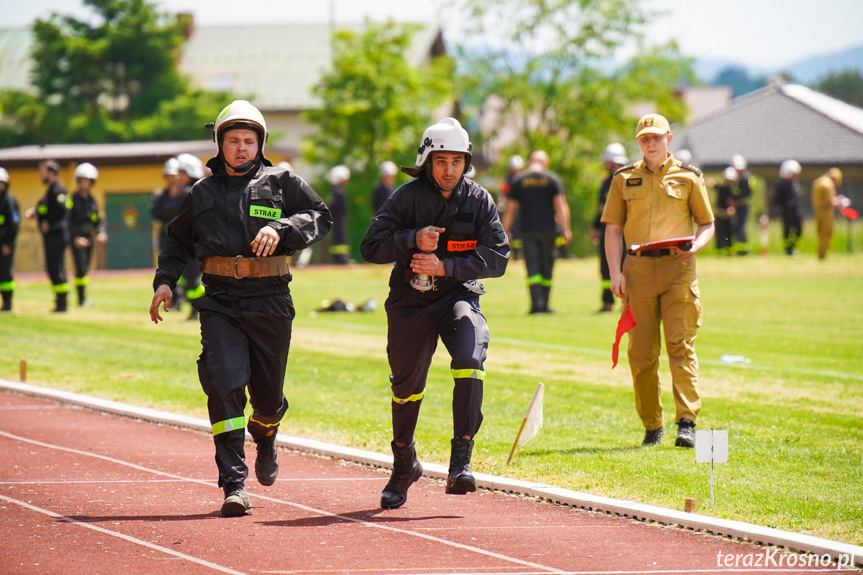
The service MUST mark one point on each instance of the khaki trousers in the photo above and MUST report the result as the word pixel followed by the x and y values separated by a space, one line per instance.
pixel 663 291
pixel 824 225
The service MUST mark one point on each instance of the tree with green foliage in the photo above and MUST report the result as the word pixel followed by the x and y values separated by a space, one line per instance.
pixel 846 85
pixel 739 80
pixel 549 64
pixel 111 79
pixel 375 105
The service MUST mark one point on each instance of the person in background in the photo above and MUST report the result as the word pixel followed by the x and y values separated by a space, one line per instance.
pixel 724 211
pixel 242 223
pixel 443 233
pixel 514 167
pixel 10 221
pixel 825 200
pixel 788 200
pixel 340 249
pixel 613 158
pixel 190 169
pixel 742 195
pixel 52 215
pixel 384 189
pixel 538 197
pixel 164 206
pixel 85 225
pixel 655 199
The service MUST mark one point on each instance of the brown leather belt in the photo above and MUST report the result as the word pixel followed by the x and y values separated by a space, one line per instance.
pixel 239 267
pixel 653 253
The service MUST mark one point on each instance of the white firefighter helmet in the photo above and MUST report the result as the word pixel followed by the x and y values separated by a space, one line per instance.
pixel 339 175
pixel 388 168
pixel 191 165
pixel 445 136
pixel 171 167
pixel 4 175
pixel 730 173
pixel 241 112
pixel 789 168
pixel 738 162
pixel 470 174
pixel 516 162
pixel 615 153
pixel 87 170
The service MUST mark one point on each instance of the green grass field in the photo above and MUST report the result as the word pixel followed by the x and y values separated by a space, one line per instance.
pixel 794 413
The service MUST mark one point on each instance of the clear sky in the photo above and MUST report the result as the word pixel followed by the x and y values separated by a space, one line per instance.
pixel 756 33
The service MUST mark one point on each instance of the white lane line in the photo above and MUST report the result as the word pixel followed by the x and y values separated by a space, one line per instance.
pixel 122 536
pixel 183 480
pixel 544 568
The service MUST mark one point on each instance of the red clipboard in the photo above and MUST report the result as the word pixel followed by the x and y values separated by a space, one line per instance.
pixel 661 244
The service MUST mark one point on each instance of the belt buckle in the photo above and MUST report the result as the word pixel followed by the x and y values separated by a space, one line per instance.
pixel 239 272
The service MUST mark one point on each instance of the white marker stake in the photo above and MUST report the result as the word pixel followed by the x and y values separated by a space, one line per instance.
pixel 711 446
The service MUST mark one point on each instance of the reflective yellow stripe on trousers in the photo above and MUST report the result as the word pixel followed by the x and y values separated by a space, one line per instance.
pixel 229 425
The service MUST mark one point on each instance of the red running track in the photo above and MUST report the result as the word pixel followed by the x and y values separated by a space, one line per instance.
pixel 82 492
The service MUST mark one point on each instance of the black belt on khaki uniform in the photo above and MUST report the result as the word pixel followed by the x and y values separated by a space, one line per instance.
pixel 240 267
pixel 653 253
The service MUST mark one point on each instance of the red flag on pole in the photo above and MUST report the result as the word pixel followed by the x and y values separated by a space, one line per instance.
pixel 849 213
pixel 626 323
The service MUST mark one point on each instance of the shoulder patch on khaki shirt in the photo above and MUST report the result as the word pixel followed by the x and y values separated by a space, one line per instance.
pixel 633 182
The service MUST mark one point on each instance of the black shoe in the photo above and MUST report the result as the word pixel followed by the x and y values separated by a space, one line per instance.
pixel 237 502
pixel 685 433
pixel 267 461
pixel 652 437
pixel 460 478
pixel 406 470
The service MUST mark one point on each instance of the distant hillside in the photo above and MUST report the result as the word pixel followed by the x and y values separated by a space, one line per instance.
pixel 806 71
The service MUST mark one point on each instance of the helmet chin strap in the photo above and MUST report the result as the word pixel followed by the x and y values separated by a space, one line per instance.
pixel 242 168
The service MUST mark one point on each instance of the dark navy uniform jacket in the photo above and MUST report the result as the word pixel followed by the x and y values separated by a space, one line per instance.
pixel 84 218
pixel 54 209
pixel 222 214
pixel 474 245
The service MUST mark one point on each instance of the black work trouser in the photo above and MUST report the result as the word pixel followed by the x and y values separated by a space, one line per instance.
pixel 82 258
pixel 245 343
pixel 55 261
pixel 792 229
pixel 539 250
pixel 412 337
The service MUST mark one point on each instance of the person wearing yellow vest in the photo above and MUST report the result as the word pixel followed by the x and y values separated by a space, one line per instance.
pixel 659 198
pixel 824 201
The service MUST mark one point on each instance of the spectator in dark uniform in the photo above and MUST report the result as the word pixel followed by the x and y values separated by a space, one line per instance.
pixel 340 249
pixel 10 221
pixel 724 211
pixel 613 158
pixel 85 225
pixel 52 214
pixel 742 195
pixel 788 200
pixel 537 195
pixel 384 189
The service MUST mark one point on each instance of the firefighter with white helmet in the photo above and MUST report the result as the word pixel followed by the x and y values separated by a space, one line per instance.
pixel 340 249
pixel 443 233
pixel 242 223
pixel 85 226
pixel 165 205
pixel 724 211
pixel 10 221
pixel 613 158
pixel 190 169
pixel 788 193
pixel 742 195
pixel 388 171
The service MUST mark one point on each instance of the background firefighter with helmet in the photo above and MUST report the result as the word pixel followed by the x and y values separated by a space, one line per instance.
pixel 84 220
pixel 242 223
pixel 10 221
pixel 443 233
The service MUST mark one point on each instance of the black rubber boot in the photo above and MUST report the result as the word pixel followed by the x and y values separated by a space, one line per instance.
pixel 7 301
pixel 460 478
pixel 82 296
pixel 267 461
pixel 60 304
pixel 406 470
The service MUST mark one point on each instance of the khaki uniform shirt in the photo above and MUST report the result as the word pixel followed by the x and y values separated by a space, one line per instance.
pixel 655 206
pixel 823 191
